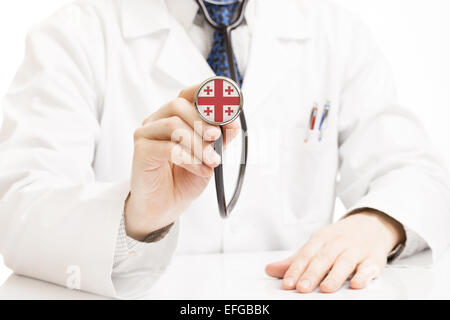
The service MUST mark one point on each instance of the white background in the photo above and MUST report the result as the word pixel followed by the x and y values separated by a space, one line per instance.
pixel 414 35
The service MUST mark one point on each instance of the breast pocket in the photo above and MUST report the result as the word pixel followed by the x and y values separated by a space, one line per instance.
pixel 308 179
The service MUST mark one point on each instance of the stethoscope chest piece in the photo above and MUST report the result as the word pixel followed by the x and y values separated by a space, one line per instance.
pixel 219 101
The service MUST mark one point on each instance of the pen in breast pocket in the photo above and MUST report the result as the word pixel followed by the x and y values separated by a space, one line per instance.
pixel 323 120
pixel 312 121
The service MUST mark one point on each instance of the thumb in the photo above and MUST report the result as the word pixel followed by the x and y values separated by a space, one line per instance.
pixel 189 93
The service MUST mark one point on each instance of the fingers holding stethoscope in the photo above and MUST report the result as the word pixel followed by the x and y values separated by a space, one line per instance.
pixel 180 136
pixel 177 131
pixel 158 152
pixel 173 161
pixel 183 107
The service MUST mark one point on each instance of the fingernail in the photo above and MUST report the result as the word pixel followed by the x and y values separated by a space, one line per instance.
pixel 211 157
pixel 360 281
pixel 289 282
pixel 212 133
pixel 329 284
pixel 305 284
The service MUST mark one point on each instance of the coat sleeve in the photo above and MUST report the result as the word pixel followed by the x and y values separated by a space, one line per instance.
pixel 386 160
pixel 57 223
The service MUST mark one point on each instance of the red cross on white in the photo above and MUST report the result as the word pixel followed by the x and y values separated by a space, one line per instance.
pixel 218 101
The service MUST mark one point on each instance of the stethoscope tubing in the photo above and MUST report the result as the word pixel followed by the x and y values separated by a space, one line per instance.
pixel 224 209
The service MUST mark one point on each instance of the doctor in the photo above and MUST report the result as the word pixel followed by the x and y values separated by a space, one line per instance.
pixel 92 180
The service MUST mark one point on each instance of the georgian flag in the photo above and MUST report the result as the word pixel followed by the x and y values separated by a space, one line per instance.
pixel 218 101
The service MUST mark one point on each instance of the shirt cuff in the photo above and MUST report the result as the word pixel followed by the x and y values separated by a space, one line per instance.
pixel 138 265
pixel 124 245
pixel 413 245
pixel 127 247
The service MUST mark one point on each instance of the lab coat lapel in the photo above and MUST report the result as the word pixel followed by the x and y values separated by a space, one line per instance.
pixel 266 67
pixel 178 59
pixel 272 26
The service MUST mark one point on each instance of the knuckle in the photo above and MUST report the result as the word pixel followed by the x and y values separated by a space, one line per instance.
pixel 332 248
pixel 293 270
pixel 319 234
pixel 173 123
pixel 311 273
pixel 348 258
pixel 176 105
pixel 323 256
pixel 340 238
pixel 298 262
pixel 320 261
pixel 183 93
pixel 305 254
pixel 148 119
pixel 290 271
pixel 138 133
pixel 180 101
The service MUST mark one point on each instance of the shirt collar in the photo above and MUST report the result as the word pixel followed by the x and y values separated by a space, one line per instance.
pixel 139 18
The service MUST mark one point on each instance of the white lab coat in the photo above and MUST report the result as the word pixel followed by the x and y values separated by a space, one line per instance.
pixel 96 69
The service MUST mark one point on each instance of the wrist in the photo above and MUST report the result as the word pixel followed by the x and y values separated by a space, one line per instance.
pixel 139 223
pixel 393 231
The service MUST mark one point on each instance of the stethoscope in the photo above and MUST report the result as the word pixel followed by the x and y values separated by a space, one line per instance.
pixel 224 209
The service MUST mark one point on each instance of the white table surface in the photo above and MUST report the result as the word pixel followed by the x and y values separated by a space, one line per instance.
pixel 241 276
